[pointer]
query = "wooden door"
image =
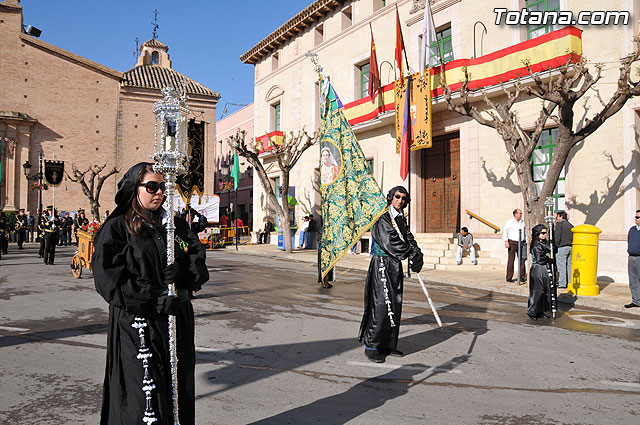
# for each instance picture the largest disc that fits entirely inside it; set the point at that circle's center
(441, 176)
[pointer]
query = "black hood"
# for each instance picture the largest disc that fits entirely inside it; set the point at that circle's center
(535, 232)
(127, 190)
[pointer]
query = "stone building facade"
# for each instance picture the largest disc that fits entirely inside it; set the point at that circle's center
(75, 110)
(468, 168)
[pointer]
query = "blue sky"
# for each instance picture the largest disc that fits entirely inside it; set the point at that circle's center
(205, 37)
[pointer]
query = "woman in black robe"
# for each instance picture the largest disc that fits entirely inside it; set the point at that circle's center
(539, 281)
(383, 289)
(130, 273)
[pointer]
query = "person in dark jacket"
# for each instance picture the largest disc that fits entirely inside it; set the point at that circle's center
(130, 273)
(633, 262)
(383, 289)
(268, 228)
(539, 274)
(563, 241)
(50, 228)
(310, 232)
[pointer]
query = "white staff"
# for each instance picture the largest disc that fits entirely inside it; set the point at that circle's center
(433, 307)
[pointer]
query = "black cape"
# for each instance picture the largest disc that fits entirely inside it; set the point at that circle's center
(129, 275)
(381, 324)
(539, 281)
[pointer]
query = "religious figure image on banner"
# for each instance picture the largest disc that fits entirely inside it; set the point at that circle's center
(53, 171)
(330, 163)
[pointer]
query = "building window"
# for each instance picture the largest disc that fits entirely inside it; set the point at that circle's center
(446, 48)
(347, 17)
(369, 165)
(536, 30)
(274, 61)
(155, 58)
(363, 81)
(318, 35)
(540, 161)
(275, 115)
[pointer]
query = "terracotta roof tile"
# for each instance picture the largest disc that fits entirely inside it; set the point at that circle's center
(157, 77)
(156, 43)
(313, 13)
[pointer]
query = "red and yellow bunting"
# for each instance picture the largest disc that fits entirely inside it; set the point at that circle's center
(542, 53)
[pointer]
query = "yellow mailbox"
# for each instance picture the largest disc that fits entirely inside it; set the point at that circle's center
(584, 261)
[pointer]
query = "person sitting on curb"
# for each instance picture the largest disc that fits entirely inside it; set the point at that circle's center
(465, 243)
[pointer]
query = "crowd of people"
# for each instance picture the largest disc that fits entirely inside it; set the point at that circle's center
(49, 229)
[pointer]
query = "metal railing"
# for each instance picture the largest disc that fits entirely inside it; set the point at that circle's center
(495, 228)
(218, 237)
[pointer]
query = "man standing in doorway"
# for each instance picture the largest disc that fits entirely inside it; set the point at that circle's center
(633, 249)
(515, 230)
(563, 240)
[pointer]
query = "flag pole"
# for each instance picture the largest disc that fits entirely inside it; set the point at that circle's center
(410, 130)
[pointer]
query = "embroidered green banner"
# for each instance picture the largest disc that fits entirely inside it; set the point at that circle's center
(351, 198)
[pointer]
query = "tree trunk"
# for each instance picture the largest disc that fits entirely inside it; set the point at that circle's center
(286, 225)
(95, 208)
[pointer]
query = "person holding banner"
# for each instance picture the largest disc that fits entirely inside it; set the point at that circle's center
(383, 288)
(130, 273)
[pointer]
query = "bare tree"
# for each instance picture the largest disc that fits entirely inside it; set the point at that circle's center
(558, 90)
(90, 187)
(287, 155)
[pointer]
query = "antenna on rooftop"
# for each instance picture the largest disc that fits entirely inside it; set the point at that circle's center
(136, 52)
(155, 24)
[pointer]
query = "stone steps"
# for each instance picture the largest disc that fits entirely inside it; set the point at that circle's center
(439, 251)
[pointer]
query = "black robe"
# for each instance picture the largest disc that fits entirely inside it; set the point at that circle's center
(381, 323)
(129, 275)
(539, 282)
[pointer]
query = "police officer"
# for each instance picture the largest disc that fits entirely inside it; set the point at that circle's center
(51, 226)
(21, 228)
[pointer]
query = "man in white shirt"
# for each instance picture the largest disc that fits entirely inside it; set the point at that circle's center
(515, 230)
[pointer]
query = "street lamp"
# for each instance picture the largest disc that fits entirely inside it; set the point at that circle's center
(35, 177)
(225, 170)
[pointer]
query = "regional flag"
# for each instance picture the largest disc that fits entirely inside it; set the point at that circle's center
(399, 46)
(351, 198)
(374, 72)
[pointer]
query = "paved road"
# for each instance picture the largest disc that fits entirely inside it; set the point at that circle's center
(275, 348)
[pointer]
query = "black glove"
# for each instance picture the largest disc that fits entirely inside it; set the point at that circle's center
(417, 261)
(173, 274)
(167, 305)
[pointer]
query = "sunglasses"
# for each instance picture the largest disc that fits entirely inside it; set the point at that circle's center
(637, 217)
(543, 233)
(152, 187)
(404, 198)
